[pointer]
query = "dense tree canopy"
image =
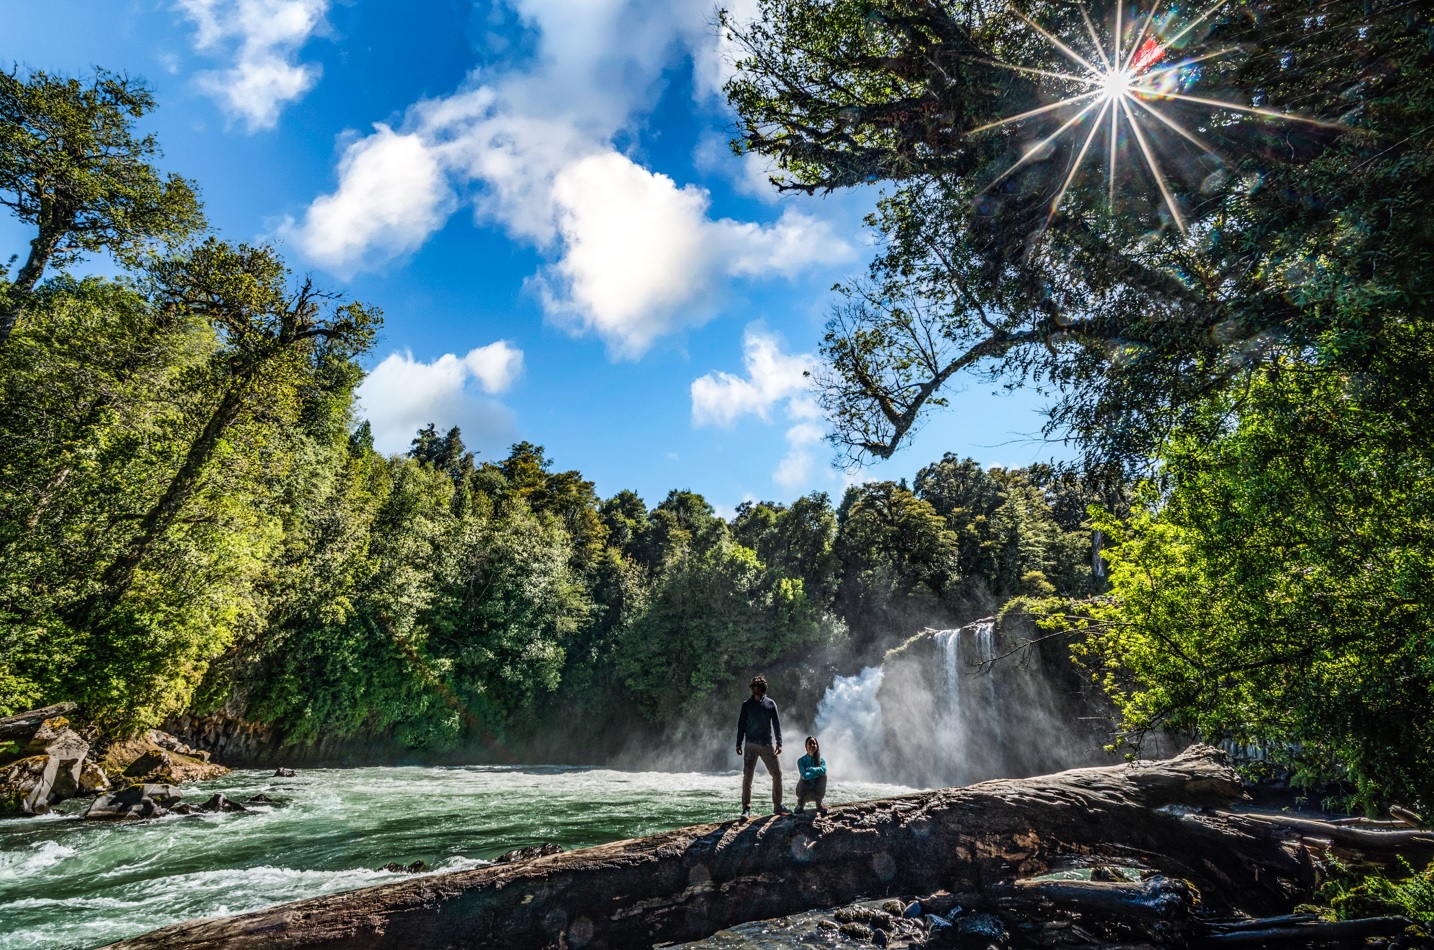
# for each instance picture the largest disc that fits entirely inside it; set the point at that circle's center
(1294, 239)
(1277, 592)
(72, 167)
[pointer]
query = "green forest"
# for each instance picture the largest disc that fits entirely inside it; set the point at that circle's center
(193, 516)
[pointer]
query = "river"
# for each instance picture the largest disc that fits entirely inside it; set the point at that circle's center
(66, 883)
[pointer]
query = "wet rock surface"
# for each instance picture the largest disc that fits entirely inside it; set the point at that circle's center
(220, 803)
(134, 801)
(529, 854)
(415, 868)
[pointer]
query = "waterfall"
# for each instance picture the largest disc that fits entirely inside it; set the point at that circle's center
(949, 643)
(942, 709)
(949, 731)
(849, 724)
(985, 632)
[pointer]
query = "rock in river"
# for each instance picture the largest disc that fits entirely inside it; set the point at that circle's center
(220, 803)
(136, 801)
(528, 854)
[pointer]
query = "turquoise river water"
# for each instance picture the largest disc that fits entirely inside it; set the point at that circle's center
(66, 883)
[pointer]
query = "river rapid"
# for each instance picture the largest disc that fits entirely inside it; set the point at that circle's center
(66, 883)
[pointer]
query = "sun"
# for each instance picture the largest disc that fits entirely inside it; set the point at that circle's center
(1116, 83)
(1122, 85)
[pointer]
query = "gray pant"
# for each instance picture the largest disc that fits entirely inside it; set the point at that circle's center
(814, 790)
(768, 755)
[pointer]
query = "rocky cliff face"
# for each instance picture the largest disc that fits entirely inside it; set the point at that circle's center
(245, 744)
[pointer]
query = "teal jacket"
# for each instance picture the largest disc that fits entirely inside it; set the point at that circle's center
(811, 771)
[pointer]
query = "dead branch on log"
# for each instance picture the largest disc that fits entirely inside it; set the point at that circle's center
(1371, 823)
(1305, 934)
(1407, 844)
(1158, 910)
(1408, 817)
(24, 724)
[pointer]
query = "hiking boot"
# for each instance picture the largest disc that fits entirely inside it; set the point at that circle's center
(747, 812)
(821, 809)
(781, 810)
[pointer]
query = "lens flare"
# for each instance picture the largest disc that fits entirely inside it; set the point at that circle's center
(1116, 83)
(1123, 86)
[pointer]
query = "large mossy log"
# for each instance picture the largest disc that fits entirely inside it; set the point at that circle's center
(684, 885)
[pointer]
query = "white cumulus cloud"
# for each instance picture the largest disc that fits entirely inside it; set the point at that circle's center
(392, 195)
(773, 378)
(641, 257)
(721, 399)
(635, 251)
(632, 254)
(796, 467)
(496, 366)
(262, 39)
(402, 395)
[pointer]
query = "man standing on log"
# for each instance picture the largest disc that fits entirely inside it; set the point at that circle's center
(756, 726)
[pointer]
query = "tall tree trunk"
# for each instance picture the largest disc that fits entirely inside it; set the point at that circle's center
(120, 575)
(42, 248)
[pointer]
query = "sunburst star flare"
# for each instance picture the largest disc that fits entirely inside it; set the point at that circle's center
(1128, 82)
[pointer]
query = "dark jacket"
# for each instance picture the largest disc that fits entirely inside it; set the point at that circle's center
(758, 722)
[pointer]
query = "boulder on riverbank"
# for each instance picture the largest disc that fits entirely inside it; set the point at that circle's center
(45, 759)
(25, 785)
(43, 762)
(156, 758)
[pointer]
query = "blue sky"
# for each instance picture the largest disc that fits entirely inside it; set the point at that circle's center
(539, 195)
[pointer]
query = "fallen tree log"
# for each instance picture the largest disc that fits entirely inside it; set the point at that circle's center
(1158, 911)
(26, 724)
(687, 884)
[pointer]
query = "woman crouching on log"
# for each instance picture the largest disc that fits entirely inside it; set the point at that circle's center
(812, 786)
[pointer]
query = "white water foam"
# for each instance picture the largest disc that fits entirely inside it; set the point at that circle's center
(849, 725)
(39, 856)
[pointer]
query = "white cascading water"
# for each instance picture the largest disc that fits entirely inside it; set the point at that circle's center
(949, 714)
(985, 633)
(949, 731)
(848, 723)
